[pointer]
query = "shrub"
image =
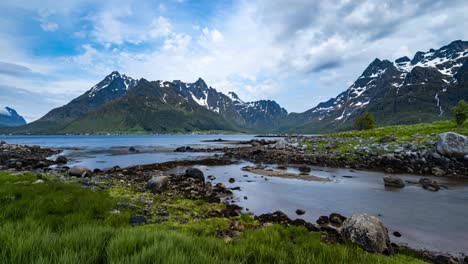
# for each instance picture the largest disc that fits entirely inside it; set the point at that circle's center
(461, 112)
(364, 122)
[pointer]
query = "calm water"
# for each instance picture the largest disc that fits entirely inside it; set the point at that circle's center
(431, 220)
(105, 152)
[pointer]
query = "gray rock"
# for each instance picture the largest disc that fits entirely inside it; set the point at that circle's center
(437, 171)
(393, 181)
(195, 174)
(280, 144)
(451, 144)
(79, 171)
(368, 232)
(38, 181)
(158, 184)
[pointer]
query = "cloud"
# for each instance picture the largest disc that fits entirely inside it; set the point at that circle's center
(45, 24)
(14, 69)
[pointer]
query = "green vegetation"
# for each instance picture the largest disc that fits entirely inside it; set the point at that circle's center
(461, 112)
(364, 122)
(405, 132)
(62, 222)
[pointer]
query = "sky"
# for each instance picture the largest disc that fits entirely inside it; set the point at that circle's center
(297, 52)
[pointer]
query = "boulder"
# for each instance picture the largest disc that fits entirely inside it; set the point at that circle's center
(451, 144)
(61, 160)
(158, 184)
(300, 212)
(195, 174)
(79, 171)
(368, 232)
(429, 184)
(392, 181)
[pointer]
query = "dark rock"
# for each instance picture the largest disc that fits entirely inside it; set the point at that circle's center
(397, 234)
(61, 160)
(393, 181)
(305, 169)
(232, 180)
(158, 184)
(386, 139)
(323, 220)
(79, 171)
(195, 174)
(162, 213)
(368, 232)
(132, 149)
(137, 220)
(336, 219)
(211, 177)
(300, 212)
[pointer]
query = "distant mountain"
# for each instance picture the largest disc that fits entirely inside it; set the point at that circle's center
(110, 88)
(10, 118)
(405, 91)
(122, 104)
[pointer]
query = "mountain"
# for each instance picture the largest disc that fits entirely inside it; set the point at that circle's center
(122, 104)
(405, 91)
(110, 88)
(10, 118)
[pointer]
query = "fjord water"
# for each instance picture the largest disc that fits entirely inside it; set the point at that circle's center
(432, 220)
(104, 152)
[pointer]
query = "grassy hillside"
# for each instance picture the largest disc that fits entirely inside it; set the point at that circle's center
(57, 222)
(406, 131)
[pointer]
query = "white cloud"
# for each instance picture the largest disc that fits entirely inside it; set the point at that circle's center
(46, 25)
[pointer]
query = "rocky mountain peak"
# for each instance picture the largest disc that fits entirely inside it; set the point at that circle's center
(9, 117)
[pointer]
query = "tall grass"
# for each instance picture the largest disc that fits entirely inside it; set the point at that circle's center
(58, 222)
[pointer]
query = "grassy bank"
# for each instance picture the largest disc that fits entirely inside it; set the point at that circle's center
(406, 132)
(60, 222)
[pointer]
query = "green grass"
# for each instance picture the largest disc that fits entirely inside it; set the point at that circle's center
(58, 222)
(406, 131)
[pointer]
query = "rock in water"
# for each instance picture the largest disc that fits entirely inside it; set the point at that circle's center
(61, 160)
(393, 181)
(158, 184)
(451, 144)
(195, 174)
(368, 232)
(79, 171)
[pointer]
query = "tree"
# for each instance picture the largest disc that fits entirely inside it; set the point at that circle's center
(363, 122)
(461, 112)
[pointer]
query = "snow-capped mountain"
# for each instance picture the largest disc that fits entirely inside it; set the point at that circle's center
(10, 118)
(421, 89)
(158, 99)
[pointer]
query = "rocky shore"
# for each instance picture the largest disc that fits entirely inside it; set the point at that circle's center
(446, 156)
